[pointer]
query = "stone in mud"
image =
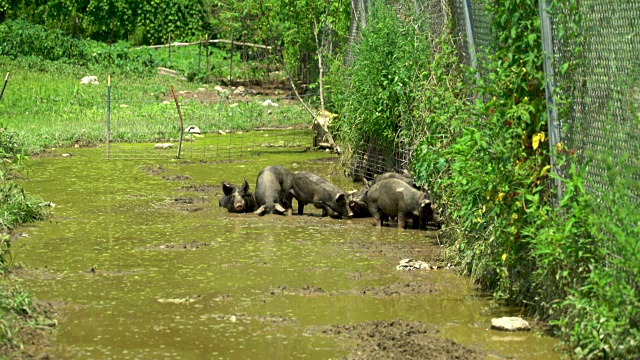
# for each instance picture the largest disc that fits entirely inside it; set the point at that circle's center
(237, 199)
(395, 198)
(510, 324)
(309, 188)
(163, 146)
(272, 186)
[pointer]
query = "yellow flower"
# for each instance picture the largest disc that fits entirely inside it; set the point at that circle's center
(559, 147)
(544, 170)
(478, 219)
(504, 257)
(500, 196)
(536, 139)
(515, 216)
(524, 70)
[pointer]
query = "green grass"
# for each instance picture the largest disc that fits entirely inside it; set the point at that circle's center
(21, 321)
(50, 108)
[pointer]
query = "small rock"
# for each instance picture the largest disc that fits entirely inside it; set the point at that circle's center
(510, 324)
(239, 91)
(218, 88)
(163, 146)
(222, 132)
(192, 129)
(412, 264)
(89, 80)
(166, 102)
(65, 155)
(76, 146)
(48, 203)
(233, 105)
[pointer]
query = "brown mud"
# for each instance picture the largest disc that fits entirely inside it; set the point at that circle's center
(400, 340)
(251, 287)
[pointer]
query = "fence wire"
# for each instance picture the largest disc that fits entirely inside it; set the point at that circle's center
(212, 129)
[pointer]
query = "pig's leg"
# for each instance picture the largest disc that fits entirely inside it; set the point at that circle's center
(401, 220)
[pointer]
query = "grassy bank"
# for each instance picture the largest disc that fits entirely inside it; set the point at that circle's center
(50, 108)
(21, 320)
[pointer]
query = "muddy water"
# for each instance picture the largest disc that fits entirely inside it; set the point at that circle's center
(146, 265)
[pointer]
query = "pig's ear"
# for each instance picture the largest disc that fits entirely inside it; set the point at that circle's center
(341, 198)
(245, 187)
(227, 188)
(424, 203)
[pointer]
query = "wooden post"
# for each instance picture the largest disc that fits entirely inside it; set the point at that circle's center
(199, 54)
(175, 98)
(6, 80)
(206, 48)
(231, 60)
(169, 46)
(244, 57)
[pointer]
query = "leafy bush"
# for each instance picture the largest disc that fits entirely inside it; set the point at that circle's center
(22, 39)
(379, 92)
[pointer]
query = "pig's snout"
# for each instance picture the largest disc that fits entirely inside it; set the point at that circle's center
(239, 205)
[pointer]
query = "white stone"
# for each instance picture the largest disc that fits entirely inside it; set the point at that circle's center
(218, 88)
(239, 91)
(222, 132)
(510, 324)
(192, 129)
(89, 80)
(163, 146)
(269, 102)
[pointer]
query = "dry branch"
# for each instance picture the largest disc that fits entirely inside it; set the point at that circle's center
(181, 44)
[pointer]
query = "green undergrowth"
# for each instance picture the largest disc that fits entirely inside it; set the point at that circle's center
(50, 108)
(39, 46)
(22, 322)
(20, 318)
(484, 153)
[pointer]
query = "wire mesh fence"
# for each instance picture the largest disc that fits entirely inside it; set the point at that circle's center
(212, 129)
(604, 91)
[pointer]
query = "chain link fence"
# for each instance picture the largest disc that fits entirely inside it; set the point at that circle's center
(603, 94)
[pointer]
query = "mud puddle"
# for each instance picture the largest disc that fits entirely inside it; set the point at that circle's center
(170, 281)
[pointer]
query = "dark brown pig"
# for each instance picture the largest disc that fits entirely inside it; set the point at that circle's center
(237, 199)
(309, 188)
(272, 189)
(396, 198)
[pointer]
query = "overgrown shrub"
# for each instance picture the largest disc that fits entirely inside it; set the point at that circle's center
(19, 39)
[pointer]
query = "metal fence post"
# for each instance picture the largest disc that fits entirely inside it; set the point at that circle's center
(108, 115)
(552, 111)
(466, 7)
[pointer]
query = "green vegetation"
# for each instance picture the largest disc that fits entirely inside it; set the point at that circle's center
(21, 320)
(19, 316)
(487, 162)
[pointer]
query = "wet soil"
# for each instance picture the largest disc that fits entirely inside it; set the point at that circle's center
(400, 340)
(252, 287)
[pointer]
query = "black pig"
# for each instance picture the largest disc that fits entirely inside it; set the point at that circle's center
(237, 199)
(396, 198)
(358, 201)
(272, 188)
(309, 188)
